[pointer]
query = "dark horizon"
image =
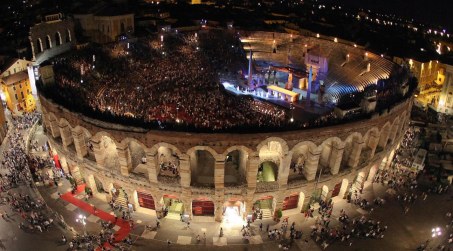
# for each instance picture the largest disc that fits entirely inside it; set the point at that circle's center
(430, 12)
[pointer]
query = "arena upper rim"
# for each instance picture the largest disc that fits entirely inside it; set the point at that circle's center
(286, 125)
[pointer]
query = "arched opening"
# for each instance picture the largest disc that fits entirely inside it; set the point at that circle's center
(99, 186)
(270, 156)
(233, 209)
(299, 158)
(235, 168)
(39, 48)
(172, 206)
(48, 42)
(291, 201)
(138, 157)
(383, 139)
(202, 165)
(57, 38)
(340, 189)
(76, 176)
(111, 160)
(320, 193)
(203, 207)
(267, 172)
(357, 185)
(370, 136)
(68, 36)
(167, 164)
(348, 145)
(145, 200)
(122, 28)
(265, 207)
(329, 160)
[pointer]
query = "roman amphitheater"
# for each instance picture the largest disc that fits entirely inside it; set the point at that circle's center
(224, 174)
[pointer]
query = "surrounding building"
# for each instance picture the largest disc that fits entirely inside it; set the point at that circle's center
(18, 92)
(52, 36)
(446, 96)
(106, 25)
(3, 124)
(431, 78)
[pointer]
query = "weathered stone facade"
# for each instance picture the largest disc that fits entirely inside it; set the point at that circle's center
(343, 154)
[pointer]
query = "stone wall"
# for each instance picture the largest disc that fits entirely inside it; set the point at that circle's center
(69, 134)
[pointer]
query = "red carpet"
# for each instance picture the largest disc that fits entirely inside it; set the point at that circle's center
(125, 228)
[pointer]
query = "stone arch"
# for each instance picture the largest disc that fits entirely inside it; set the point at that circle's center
(370, 141)
(270, 144)
(39, 47)
(105, 150)
(135, 152)
(154, 149)
(202, 161)
(82, 142)
(271, 151)
(167, 161)
(383, 139)
(65, 132)
(54, 126)
(331, 154)
(48, 42)
(394, 129)
(300, 154)
(236, 162)
(68, 36)
(400, 132)
(352, 149)
(58, 40)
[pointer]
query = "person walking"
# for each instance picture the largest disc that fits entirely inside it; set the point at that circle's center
(261, 227)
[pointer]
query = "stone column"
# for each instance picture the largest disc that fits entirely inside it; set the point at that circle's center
(186, 197)
(252, 170)
(373, 143)
(55, 130)
(389, 159)
(283, 171)
(336, 155)
(354, 156)
(124, 157)
(218, 204)
(151, 165)
(219, 174)
(184, 170)
(311, 164)
(79, 143)
(98, 151)
(66, 136)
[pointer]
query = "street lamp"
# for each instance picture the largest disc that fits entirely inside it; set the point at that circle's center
(82, 220)
(435, 232)
(177, 114)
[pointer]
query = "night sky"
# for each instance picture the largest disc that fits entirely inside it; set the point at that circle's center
(436, 12)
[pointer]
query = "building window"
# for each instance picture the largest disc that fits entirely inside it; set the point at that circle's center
(15, 95)
(22, 94)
